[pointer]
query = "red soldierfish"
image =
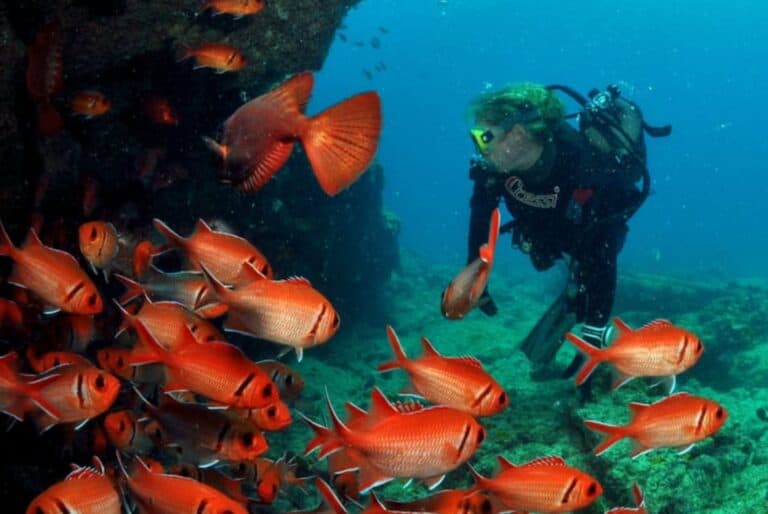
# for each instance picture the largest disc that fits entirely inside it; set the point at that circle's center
(219, 371)
(340, 142)
(639, 500)
(463, 294)
(678, 421)
(287, 380)
(126, 432)
(53, 275)
(658, 349)
(99, 244)
(238, 8)
(90, 104)
(546, 484)
(458, 382)
(289, 312)
(217, 56)
(424, 443)
(150, 491)
(86, 490)
(16, 389)
(223, 254)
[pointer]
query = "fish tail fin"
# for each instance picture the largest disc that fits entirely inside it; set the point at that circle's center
(173, 238)
(613, 434)
(143, 253)
(593, 353)
(488, 250)
(325, 438)
(6, 245)
(639, 497)
(341, 141)
(132, 289)
(329, 497)
(400, 357)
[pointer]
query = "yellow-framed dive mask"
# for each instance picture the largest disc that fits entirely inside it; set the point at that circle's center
(482, 138)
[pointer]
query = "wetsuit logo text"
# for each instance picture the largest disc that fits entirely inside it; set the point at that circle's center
(515, 187)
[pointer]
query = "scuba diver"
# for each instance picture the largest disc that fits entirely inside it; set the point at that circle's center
(570, 192)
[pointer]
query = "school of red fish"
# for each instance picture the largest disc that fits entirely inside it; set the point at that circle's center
(183, 417)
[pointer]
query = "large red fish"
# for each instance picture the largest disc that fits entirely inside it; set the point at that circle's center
(458, 382)
(221, 253)
(16, 389)
(86, 490)
(677, 421)
(160, 493)
(639, 500)
(340, 142)
(219, 371)
(658, 349)
(464, 292)
(53, 275)
(424, 443)
(289, 312)
(546, 484)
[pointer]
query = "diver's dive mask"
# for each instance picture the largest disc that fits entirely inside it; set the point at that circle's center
(483, 138)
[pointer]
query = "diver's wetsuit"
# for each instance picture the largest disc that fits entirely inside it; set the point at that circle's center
(562, 214)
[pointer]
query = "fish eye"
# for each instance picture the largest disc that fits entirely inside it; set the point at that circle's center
(120, 362)
(271, 411)
(480, 436)
(248, 439)
(502, 398)
(91, 300)
(56, 362)
(289, 380)
(265, 270)
(100, 383)
(94, 234)
(719, 413)
(193, 328)
(267, 391)
(592, 489)
(699, 347)
(336, 321)
(486, 507)
(121, 426)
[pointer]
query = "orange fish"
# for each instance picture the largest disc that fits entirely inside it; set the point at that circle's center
(223, 254)
(217, 56)
(272, 418)
(125, 432)
(16, 389)
(546, 484)
(89, 104)
(464, 292)
(86, 490)
(288, 381)
(639, 500)
(188, 288)
(219, 371)
(118, 361)
(448, 501)
(340, 142)
(150, 491)
(206, 436)
(53, 275)
(229, 486)
(270, 476)
(458, 382)
(45, 76)
(51, 360)
(167, 321)
(424, 443)
(99, 244)
(289, 312)
(142, 258)
(658, 349)
(78, 393)
(678, 421)
(158, 110)
(239, 8)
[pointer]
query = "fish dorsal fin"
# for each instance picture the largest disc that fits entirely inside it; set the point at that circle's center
(293, 94)
(407, 407)
(504, 464)
(622, 327)
(248, 274)
(551, 460)
(468, 361)
(429, 350)
(32, 239)
(354, 413)
(381, 408)
(329, 497)
(657, 323)
(81, 472)
(297, 281)
(201, 227)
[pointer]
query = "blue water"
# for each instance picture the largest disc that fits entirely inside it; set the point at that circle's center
(697, 65)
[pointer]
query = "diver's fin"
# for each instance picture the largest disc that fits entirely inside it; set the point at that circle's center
(544, 340)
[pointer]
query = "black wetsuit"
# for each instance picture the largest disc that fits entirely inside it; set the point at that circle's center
(576, 210)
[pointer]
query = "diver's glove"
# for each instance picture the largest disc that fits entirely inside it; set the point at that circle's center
(487, 305)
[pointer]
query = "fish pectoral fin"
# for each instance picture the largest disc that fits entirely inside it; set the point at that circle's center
(669, 383)
(619, 379)
(370, 477)
(686, 449)
(638, 450)
(433, 482)
(212, 310)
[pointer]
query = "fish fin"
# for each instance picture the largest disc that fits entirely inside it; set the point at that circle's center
(619, 379)
(639, 497)
(153, 350)
(299, 353)
(369, 478)
(248, 274)
(504, 463)
(429, 349)
(488, 250)
(637, 407)
(324, 438)
(433, 482)
(658, 323)
(622, 327)
(212, 310)
(480, 480)
(638, 450)
(410, 391)
(82, 424)
(468, 361)
(221, 150)
(172, 237)
(593, 353)
(220, 290)
(128, 319)
(292, 96)
(381, 408)
(32, 239)
(614, 434)
(329, 496)
(401, 358)
(33, 390)
(201, 227)
(686, 449)
(296, 281)
(6, 245)
(669, 382)
(550, 460)
(341, 141)
(133, 289)
(354, 413)
(267, 164)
